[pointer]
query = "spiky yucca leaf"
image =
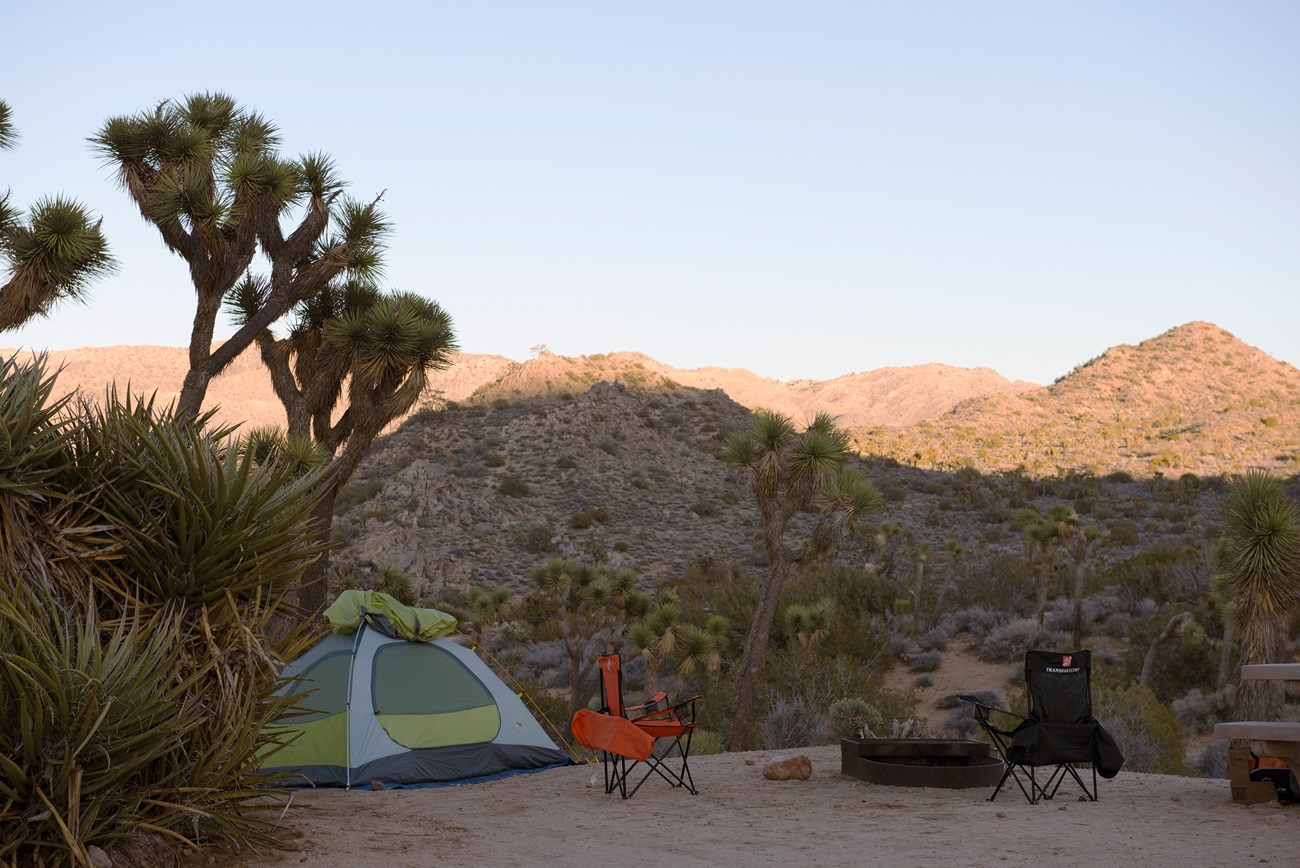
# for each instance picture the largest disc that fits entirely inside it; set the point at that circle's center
(8, 135)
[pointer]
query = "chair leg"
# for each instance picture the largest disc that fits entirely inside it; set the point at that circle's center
(675, 777)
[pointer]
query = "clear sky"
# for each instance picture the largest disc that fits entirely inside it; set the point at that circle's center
(804, 189)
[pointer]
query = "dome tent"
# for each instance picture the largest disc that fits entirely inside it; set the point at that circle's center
(396, 702)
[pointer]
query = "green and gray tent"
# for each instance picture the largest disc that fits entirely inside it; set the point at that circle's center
(391, 700)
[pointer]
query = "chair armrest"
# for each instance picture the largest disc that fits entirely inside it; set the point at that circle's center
(658, 697)
(973, 701)
(670, 710)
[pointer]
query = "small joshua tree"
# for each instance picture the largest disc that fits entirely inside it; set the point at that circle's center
(588, 606)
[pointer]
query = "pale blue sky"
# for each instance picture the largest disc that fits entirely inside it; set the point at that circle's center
(803, 189)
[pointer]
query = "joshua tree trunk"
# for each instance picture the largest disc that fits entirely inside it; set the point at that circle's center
(751, 662)
(1041, 615)
(1149, 662)
(1261, 642)
(1080, 574)
(1225, 656)
(311, 591)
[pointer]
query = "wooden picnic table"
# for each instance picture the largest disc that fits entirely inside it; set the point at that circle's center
(1279, 739)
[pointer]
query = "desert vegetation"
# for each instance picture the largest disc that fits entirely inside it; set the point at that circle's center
(143, 565)
(961, 568)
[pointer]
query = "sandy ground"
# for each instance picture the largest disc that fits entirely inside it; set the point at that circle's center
(556, 818)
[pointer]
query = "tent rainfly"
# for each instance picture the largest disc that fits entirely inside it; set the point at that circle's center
(395, 702)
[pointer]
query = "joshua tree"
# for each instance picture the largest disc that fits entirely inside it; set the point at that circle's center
(957, 554)
(920, 559)
(787, 472)
(810, 624)
(207, 174)
(663, 642)
(487, 609)
(349, 337)
(588, 607)
(1260, 576)
(1041, 538)
(1080, 542)
(52, 255)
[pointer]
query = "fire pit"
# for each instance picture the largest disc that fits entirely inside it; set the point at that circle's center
(951, 763)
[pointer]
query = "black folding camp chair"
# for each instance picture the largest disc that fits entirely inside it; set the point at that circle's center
(1058, 734)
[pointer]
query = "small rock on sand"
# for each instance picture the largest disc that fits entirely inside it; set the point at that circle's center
(788, 768)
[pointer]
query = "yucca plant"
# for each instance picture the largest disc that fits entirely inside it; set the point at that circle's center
(1259, 566)
(143, 562)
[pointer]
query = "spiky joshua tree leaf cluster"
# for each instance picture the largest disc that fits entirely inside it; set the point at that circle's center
(51, 254)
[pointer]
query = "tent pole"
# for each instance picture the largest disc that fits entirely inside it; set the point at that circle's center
(347, 712)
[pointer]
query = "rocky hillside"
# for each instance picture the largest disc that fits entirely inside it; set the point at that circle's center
(885, 396)
(1194, 399)
(888, 396)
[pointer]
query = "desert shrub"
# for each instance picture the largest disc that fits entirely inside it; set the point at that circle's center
(143, 710)
(512, 486)
(621, 546)
(1003, 582)
(1100, 606)
(926, 661)
(1117, 625)
(976, 620)
(1212, 762)
(1009, 642)
(1123, 532)
(500, 403)
(545, 656)
(356, 493)
(539, 539)
(963, 720)
(704, 508)
(792, 721)
(1144, 728)
(588, 517)
(935, 639)
(494, 460)
(396, 584)
(893, 493)
(923, 681)
(855, 718)
(706, 742)
(566, 462)
(1199, 711)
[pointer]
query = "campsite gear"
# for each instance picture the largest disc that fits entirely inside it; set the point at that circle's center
(622, 732)
(1059, 730)
(396, 702)
(1283, 780)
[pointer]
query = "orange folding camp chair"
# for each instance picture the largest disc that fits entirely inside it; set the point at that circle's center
(633, 732)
